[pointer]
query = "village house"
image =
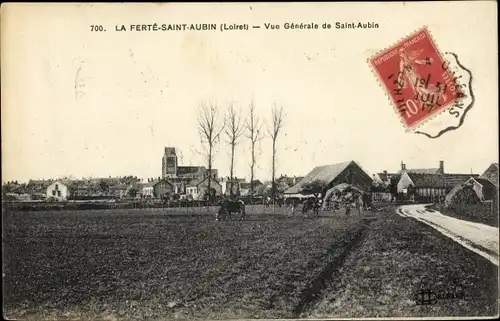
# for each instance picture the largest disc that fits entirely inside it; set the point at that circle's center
(332, 175)
(245, 187)
(197, 188)
(179, 184)
(226, 184)
(383, 179)
(59, 191)
(286, 181)
(156, 188)
(381, 186)
(428, 184)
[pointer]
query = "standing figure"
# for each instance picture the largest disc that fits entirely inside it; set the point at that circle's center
(348, 208)
(359, 203)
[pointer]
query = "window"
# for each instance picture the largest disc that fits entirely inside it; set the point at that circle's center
(57, 187)
(53, 193)
(59, 193)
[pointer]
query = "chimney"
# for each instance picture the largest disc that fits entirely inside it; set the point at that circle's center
(441, 166)
(403, 166)
(385, 172)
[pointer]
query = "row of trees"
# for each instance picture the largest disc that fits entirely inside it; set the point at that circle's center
(214, 123)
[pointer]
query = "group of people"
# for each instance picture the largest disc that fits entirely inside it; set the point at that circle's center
(358, 202)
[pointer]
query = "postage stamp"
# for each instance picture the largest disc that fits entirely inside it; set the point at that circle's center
(417, 78)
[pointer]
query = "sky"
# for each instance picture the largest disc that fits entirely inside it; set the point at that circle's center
(81, 103)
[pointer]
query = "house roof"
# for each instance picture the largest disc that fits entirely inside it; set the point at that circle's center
(156, 181)
(326, 173)
(491, 174)
(455, 179)
(384, 177)
(420, 171)
(489, 189)
(198, 181)
(66, 182)
(438, 180)
(247, 184)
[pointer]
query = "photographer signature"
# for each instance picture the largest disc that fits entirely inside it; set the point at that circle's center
(429, 297)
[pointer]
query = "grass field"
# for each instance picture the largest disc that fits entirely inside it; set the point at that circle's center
(148, 264)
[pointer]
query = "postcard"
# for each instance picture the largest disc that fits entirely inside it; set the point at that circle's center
(242, 161)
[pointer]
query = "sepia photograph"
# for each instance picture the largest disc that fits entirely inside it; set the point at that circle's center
(239, 161)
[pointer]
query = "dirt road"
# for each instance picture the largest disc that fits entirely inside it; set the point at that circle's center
(480, 238)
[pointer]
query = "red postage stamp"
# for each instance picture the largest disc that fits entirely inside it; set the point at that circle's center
(416, 78)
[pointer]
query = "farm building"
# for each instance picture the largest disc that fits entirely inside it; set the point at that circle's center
(491, 174)
(331, 175)
(476, 189)
(473, 191)
(58, 190)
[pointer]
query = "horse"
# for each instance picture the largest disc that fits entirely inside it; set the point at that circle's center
(311, 204)
(229, 207)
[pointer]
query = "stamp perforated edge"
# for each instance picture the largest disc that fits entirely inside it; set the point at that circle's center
(377, 76)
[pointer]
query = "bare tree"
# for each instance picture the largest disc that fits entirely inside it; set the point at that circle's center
(210, 126)
(234, 130)
(254, 128)
(277, 122)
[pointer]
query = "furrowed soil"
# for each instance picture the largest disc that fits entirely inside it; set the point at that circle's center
(149, 265)
(397, 259)
(143, 264)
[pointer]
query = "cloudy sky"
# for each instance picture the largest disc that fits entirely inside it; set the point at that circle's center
(83, 103)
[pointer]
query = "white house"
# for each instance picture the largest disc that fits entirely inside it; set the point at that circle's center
(199, 186)
(58, 190)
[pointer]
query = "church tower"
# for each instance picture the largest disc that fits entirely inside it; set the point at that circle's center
(169, 163)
